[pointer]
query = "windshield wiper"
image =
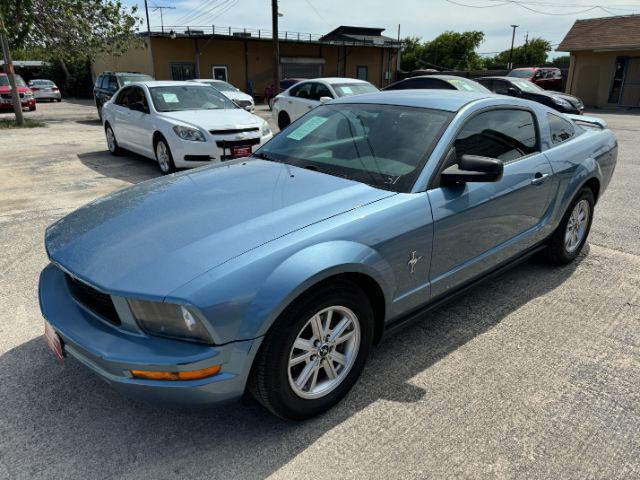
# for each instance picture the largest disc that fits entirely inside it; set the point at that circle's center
(264, 156)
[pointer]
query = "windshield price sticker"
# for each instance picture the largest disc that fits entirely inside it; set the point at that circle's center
(170, 98)
(306, 128)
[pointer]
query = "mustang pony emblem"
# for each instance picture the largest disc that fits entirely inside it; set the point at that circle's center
(413, 260)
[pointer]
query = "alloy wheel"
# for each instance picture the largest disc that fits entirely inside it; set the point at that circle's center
(111, 140)
(162, 154)
(577, 226)
(323, 352)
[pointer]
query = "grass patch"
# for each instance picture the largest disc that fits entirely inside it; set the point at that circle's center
(28, 123)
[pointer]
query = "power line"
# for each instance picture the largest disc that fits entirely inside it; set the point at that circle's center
(318, 13)
(526, 5)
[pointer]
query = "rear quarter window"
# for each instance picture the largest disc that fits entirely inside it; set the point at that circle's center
(560, 129)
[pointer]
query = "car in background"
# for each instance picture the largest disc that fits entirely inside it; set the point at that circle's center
(278, 273)
(180, 124)
(297, 100)
(442, 82)
(234, 94)
(517, 87)
(109, 83)
(45, 90)
(549, 78)
(27, 99)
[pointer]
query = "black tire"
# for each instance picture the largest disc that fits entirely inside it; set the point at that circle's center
(169, 166)
(269, 379)
(99, 107)
(58, 100)
(283, 120)
(557, 252)
(114, 148)
(32, 109)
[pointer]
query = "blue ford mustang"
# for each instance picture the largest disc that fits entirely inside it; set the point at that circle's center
(277, 273)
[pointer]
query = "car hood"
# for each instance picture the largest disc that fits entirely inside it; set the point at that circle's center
(152, 238)
(551, 93)
(215, 119)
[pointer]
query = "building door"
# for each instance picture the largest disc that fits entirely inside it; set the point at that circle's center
(630, 95)
(301, 67)
(220, 72)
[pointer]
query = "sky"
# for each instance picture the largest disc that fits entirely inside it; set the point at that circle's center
(422, 18)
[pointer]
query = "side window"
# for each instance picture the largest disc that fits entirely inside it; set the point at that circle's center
(112, 83)
(432, 83)
(123, 97)
(505, 134)
(136, 95)
(560, 128)
(501, 87)
(321, 90)
(303, 90)
(487, 83)
(405, 85)
(99, 81)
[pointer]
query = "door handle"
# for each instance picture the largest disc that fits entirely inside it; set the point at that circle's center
(539, 178)
(309, 106)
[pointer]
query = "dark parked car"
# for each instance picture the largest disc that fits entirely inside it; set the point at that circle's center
(516, 87)
(549, 78)
(109, 83)
(440, 82)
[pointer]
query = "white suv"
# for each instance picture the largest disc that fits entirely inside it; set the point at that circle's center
(303, 96)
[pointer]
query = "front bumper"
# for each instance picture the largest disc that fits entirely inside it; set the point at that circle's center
(112, 352)
(6, 103)
(188, 154)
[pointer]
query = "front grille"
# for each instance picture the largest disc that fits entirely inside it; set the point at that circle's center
(237, 143)
(233, 130)
(95, 301)
(8, 95)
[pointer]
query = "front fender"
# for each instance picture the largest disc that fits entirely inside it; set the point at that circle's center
(306, 268)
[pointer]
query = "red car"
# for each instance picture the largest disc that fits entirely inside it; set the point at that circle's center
(549, 78)
(26, 95)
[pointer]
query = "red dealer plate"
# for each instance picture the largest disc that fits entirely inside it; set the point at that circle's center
(54, 341)
(239, 152)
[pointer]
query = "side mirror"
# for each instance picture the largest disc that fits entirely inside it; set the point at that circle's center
(138, 107)
(325, 99)
(472, 168)
(514, 92)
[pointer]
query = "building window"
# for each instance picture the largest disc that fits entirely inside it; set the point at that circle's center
(362, 72)
(183, 71)
(220, 72)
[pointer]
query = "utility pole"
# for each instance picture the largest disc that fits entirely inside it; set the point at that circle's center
(526, 49)
(8, 62)
(398, 59)
(146, 12)
(513, 37)
(276, 47)
(161, 8)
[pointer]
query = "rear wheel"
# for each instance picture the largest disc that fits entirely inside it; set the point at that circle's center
(99, 107)
(32, 109)
(315, 352)
(164, 157)
(283, 120)
(112, 143)
(571, 235)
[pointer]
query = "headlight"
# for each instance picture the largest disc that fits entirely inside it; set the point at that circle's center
(28, 94)
(562, 102)
(168, 320)
(189, 133)
(265, 129)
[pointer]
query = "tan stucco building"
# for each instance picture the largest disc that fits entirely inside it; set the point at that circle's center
(605, 61)
(245, 59)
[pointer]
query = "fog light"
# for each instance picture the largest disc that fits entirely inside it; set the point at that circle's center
(190, 375)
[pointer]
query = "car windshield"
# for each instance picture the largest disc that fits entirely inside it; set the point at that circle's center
(44, 83)
(467, 85)
(346, 89)
(176, 98)
(524, 73)
(222, 86)
(127, 79)
(527, 86)
(374, 144)
(4, 81)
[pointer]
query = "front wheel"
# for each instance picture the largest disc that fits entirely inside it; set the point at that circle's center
(112, 143)
(164, 157)
(571, 235)
(315, 352)
(283, 120)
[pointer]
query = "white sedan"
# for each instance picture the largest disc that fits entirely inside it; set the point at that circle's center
(303, 96)
(243, 100)
(180, 124)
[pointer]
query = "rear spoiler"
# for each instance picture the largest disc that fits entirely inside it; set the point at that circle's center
(590, 121)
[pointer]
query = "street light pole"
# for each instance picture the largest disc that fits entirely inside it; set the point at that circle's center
(276, 47)
(513, 37)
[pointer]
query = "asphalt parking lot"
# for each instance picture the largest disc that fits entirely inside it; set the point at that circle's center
(535, 374)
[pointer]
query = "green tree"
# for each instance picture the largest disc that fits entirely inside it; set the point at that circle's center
(448, 51)
(532, 54)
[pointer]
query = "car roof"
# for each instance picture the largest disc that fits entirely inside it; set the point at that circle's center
(207, 80)
(449, 100)
(439, 77)
(334, 80)
(167, 83)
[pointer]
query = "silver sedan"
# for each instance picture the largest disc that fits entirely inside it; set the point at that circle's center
(45, 90)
